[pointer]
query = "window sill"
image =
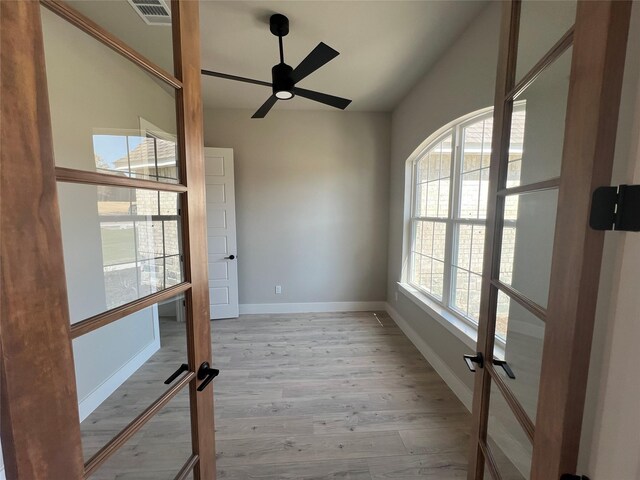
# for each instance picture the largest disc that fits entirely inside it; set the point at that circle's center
(463, 331)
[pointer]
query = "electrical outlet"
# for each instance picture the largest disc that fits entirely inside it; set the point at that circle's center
(278, 289)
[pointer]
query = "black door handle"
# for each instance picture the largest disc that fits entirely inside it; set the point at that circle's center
(471, 359)
(206, 373)
(230, 257)
(505, 366)
(182, 368)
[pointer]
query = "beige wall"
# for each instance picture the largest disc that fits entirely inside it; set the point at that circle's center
(311, 203)
(462, 81)
(611, 444)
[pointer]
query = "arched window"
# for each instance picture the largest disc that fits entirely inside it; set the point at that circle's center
(450, 180)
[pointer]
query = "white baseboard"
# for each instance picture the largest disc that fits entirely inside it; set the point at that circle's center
(92, 401)
(261, 308)
(464, 393)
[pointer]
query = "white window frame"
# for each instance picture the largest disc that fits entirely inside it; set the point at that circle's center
(444, 308)
(461, 325)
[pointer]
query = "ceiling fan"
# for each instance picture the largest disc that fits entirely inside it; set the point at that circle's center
(284, 77)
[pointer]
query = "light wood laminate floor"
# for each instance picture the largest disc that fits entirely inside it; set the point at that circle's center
(313, 396)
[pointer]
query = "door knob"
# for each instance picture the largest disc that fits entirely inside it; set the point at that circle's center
(505, 366)
(206, 373)
(182, 368)
(230, 257)
(471, 359)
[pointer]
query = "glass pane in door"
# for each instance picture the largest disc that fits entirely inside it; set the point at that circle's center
(107, 114)
(537, 126)
(143, 25)
(507, 441)
(519, 339)
(120, 244)
(527, 243)
(121, 369)
(156, 452)
(542, 24)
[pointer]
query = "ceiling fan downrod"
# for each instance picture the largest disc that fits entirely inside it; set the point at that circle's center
(279, 26)
(281, 74)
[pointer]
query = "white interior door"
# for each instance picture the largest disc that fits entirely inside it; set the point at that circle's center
(221, 233)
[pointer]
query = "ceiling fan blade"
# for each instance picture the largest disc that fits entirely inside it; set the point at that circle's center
(235, 77)
(266, 106)
(320, 55)
(337, 102)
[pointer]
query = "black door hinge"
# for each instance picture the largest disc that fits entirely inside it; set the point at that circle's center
(616, 208)
(569, 476)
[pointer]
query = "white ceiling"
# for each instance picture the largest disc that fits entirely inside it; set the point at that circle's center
(385, 46)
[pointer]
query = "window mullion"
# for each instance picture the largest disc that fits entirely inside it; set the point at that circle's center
(446, 288)
(453, 205)
(414, 190)
(413, 222)
(412, 245)
(457, 176)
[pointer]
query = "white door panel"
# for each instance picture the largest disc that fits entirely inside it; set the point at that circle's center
(217, 244)
(216, 219)
(219, 296)
(215, 191)
(221, 233)
(218, 271)
(216, 162)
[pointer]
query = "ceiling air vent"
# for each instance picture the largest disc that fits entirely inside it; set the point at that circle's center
(153, 12)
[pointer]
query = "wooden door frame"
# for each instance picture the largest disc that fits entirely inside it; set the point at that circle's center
(40, 427)
(505, 80)
(186, 54)
(599, 46)
(600, 42)
(40, 422)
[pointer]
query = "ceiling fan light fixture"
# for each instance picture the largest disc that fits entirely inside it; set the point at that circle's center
(283, 83)
(284, 95)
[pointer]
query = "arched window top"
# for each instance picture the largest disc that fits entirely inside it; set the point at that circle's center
(436, 136)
